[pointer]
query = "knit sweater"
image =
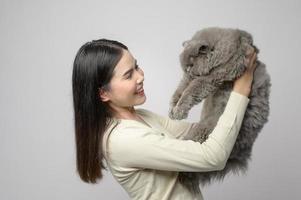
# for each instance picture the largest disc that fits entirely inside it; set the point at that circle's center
(145, 158)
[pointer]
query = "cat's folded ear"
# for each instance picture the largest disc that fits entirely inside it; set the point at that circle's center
(185, 43)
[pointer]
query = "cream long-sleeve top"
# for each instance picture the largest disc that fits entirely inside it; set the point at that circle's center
(145, 158)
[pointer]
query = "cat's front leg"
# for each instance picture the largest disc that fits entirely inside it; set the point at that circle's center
(179, 91)
(197, 90)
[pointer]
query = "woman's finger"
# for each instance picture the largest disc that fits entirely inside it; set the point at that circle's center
(254, 65)
(253, 59)
(250, 53)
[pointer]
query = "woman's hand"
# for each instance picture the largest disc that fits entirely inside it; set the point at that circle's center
(243, 84)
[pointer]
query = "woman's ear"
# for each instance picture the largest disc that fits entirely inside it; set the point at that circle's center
(103, 95)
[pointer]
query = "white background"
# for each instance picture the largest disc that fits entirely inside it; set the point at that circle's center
(39, 40)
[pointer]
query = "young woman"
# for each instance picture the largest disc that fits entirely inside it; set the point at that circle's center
(144, 151)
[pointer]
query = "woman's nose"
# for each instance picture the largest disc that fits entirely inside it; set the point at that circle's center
(140, 76)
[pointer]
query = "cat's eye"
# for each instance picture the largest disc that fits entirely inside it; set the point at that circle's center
(203, 49)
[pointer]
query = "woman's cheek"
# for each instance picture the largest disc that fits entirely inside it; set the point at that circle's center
(129, 88)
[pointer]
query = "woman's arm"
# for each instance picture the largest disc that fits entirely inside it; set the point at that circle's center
(140, 147)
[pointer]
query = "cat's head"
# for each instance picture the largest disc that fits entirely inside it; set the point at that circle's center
(213, 47)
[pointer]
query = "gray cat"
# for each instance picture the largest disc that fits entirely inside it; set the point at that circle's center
(211, 61)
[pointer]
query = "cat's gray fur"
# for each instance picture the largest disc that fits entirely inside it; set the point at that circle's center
(211, 61)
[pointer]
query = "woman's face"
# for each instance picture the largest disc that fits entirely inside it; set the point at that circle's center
(126, 85)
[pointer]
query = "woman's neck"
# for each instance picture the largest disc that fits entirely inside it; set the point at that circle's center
(124, 112)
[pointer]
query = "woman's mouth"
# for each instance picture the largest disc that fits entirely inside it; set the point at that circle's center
(140, 92)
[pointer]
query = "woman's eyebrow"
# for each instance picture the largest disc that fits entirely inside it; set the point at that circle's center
(131, 69)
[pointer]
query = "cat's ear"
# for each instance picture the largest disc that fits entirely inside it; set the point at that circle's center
(222, 53)
(185, 43)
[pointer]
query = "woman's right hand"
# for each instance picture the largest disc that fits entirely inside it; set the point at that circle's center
(243, 84)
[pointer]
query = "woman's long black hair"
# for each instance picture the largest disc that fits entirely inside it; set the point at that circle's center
(92, 69)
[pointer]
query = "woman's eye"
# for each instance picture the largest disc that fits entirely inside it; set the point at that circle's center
(130, 76)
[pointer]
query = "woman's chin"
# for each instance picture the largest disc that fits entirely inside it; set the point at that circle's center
(141, 100)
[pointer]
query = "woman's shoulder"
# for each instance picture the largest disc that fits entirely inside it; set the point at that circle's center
(123, 130)
(126, 131)
(147, 113)
(124, 126)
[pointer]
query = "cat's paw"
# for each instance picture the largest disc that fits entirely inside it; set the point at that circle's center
(177, 113)
(174, 99)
